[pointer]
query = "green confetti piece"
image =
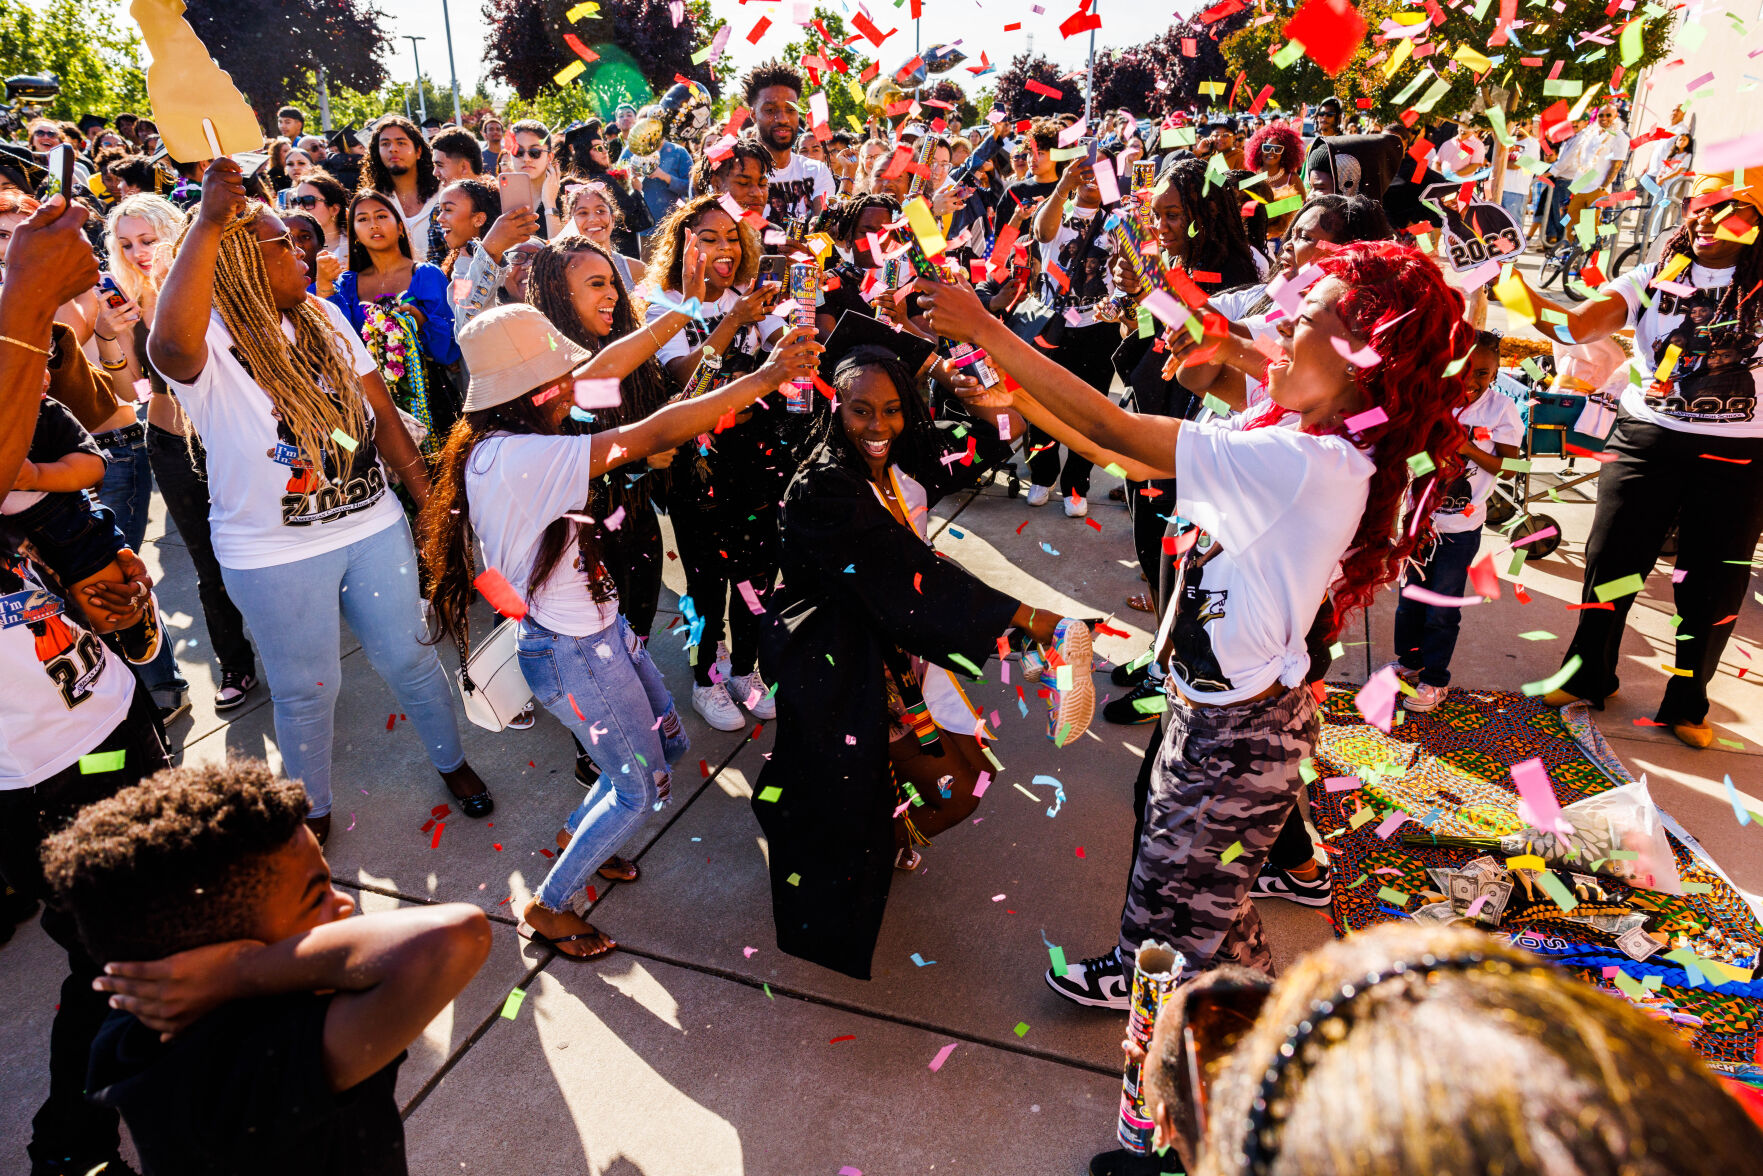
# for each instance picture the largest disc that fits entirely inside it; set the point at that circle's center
(770, 793)
(767, 988)
(1629, 986)
(794, 879)
(1337, 650)
(1455, 366)
(1115, 469)
(1155, 705)
(1021, 1029)
(343, 439)
(1219, 407)
(1289, 54)
(1057, 955)
(1359, 881)
(1147, 323)
(1307, 770)
(965, 664)
(1626, 586)
(1698, 888)
(1393, 897)
(1421, 464)
(1515, 465)
(1232, 854)
(1531, 369)
(1517, 564)
(1557, 890)
(101, 761)
(1280, 207)
(1537, 635)
(1430, 99)
(1562, 87)
(1364, 815)
(511, 1006)
(1553, 681)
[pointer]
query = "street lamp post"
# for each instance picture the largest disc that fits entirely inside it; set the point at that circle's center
(452, 72)
(421, 100)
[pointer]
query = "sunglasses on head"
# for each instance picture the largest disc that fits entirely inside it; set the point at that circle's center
(530, 152)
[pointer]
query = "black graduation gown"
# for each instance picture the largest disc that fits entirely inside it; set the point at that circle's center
(830, 829)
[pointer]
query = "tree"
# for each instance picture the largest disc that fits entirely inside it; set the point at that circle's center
(96, 59)
(1556, 40)
(949, 90)
(640, 49)
(353, 108)
(1012, 95)
(845, 110)
(272, 47)
(1157, 77)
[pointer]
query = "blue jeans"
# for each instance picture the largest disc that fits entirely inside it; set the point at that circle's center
(294, 611)
(127, 490)
(1558, 207)
(604, 688)
(1426, 635)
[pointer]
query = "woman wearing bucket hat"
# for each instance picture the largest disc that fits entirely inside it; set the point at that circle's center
(1688, 446)
(509, 478)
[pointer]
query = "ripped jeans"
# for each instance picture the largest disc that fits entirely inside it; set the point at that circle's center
(604, 688)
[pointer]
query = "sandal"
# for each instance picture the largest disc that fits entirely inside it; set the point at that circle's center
(619, 869)
(533, 935)
(1141, 601)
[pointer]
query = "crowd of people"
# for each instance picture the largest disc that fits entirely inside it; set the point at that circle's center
(389, 375)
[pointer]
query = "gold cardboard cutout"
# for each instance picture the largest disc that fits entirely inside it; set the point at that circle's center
(186, 87)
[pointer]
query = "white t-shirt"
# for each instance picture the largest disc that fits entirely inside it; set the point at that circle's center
(517, 486)
(1460, 507)
(1516, 178)
(266, 505)
(1087, 281)
(797, 189)
(1713, 386)
(1275, 509)
(65, 691)
(418, 228)
(749, 341)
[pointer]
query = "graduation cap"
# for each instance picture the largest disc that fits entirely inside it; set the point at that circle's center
(858, 337)
(341, 138)
(21, 167)
(579, 136)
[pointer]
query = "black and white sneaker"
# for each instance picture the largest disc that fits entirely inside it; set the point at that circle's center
(1276, 883)
(1098, 983)
(1144, 703)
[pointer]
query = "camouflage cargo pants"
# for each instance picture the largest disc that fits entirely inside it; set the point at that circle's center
(1224, 776)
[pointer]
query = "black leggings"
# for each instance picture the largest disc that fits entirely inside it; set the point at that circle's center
(1088, 354)
(718, 559)
(632, 555)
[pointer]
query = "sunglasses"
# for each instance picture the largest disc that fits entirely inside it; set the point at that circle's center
(1214, 1020)
(530, 152)
(304, 201)
(1272, 149)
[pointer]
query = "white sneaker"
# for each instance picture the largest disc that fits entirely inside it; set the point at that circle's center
(751, 692)
(715, 707)
(1425, 698)
(1039, 495)
(1077, 506)
(1403, 672)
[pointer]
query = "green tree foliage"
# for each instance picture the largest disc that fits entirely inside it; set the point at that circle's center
(272, 47)
(90, 48)
(640, 48)
(1157, 77)
(1549, 38)
(844, 93)
(353, 108)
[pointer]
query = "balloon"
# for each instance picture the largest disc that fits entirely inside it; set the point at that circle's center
(882, 93)
(646, 133)
(915, 78)
(943, 58)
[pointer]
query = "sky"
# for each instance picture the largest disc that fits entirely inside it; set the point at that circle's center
(979, 24)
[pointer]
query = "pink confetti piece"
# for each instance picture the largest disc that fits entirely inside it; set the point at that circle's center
(1072, 133)
(1677, 575)
(1697, 85)
(751, 597)
(1475, 907)
(985, 778)
(848, 1170)
(1162, 304)
(616, 518)
(1391, 823)
(1536, 799)
(1437, 599)
(1365, 357)
(1376, 700)
(1536, 536)
(1745, 152)
(1340, 784)
(1107, 186)
(747, 952)
(1370, 418)
(936, 1063)
(597, 394)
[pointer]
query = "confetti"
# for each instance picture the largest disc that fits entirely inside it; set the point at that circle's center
(936, 1064)
(511, 1006)
(101, 761)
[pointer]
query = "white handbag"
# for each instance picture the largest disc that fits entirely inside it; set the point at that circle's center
(490, 680)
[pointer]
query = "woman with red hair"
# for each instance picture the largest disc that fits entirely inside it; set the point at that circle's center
(1288, 504)
(1277, 152)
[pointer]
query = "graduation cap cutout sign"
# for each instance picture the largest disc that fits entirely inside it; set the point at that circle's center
(200, 113)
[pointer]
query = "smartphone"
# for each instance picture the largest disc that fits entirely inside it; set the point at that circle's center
(517, 190)
(61, 167)
(772, 268)
(112, 294)
(281, 198)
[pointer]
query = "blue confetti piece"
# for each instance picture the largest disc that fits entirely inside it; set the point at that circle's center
(850, 569)
(578, 413)
(956, 533)
(1058, 795)
(921, 961)
(1048, 548)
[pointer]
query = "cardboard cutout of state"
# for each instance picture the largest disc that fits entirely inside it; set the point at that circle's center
(186, 87)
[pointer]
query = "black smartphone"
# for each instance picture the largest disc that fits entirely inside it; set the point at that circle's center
(773, 269)
(61, 161)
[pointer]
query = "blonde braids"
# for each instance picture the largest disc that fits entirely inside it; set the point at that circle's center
(295, 376)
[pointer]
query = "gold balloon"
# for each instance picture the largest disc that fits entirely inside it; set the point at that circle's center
(645, 136)
(882, 93)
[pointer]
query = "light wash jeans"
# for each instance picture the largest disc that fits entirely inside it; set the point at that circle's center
(604, 688)
(294, 609)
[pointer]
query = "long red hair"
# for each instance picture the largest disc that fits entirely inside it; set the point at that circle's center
(1398, 301)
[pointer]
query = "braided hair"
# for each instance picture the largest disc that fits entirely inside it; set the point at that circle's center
(841, 216)
(1218, 243)
(310, 382)
(1740, 309)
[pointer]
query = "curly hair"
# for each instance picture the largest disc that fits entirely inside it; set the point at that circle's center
(573, 193)
(375, 177)
(711, 175)
(1740, 311)
(1292, 158)
(1218, 242)
(669, 246)
(767, 74)
(841, 216)
(484, 199)
(1398, 302)
(176, 861)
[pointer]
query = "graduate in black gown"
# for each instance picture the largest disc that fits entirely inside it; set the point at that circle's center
(864, 638)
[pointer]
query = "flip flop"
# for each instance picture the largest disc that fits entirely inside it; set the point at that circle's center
(534, 935)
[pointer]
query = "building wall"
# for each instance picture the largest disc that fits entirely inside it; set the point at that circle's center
(1732, 103)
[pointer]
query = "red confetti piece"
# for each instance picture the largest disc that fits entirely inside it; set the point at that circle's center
(1731, 460)
(1043, 90)
(390, 720)
(867, 27)
(1021, 525)
(500, 593)
(579, 49)
(846, 1037)
(1593, 604)
(1080, 851)
(1110, 630)
(704, 768)
(1331, 30)
(497, 845)
(435, 842)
